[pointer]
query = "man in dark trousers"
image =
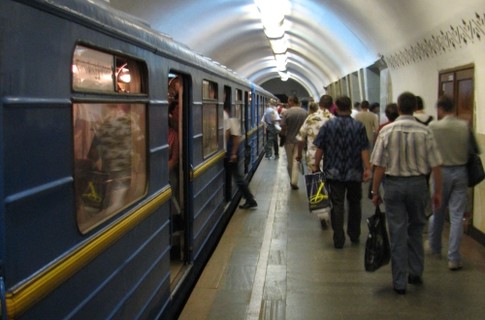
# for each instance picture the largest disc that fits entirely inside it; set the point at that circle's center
(342, 141)
(232, 133)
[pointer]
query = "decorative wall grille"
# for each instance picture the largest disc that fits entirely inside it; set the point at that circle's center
(456, 36)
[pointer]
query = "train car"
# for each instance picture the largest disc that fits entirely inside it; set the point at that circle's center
(113, 186)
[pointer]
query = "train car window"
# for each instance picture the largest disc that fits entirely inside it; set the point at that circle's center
(96, 71)
(127, 75)
(110, 166)
(209, 118)
(109, 137)
(238, 105)
(261, 108)
(247, 108)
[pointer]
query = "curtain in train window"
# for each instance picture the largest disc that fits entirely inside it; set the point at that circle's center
(209, 118)
(110, 161)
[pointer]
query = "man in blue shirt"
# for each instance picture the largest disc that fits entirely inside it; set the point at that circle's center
(343, 143)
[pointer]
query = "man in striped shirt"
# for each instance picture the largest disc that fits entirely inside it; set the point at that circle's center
(405, 152)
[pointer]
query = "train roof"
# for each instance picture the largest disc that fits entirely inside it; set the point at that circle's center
(99, 15)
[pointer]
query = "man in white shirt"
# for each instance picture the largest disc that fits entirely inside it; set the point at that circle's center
(232, 133)
(369, 120)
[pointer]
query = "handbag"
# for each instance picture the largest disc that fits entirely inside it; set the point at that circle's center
(475, 171)
(377, 248)
(474, 166)
(317, 192)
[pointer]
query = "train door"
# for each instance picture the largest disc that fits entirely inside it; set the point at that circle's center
(178, 88)
(246, 111)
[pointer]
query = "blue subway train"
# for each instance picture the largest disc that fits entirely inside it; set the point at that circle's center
(113, 186)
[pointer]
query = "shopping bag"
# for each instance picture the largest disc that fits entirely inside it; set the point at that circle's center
(96, 190)
(377, 248)
(317, 192)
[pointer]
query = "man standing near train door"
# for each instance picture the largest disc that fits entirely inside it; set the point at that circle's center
(232, 133)
(405, 152)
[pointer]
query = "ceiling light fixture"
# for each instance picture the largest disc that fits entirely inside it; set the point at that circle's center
(273, 19)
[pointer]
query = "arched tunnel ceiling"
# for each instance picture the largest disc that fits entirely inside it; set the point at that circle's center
(328, 39)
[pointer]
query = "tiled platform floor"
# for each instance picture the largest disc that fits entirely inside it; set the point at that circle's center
(275, 262)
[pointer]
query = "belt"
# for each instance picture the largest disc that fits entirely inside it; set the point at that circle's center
(405, 177)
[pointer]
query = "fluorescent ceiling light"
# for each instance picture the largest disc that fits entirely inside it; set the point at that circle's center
(279, 45)
(273, 19)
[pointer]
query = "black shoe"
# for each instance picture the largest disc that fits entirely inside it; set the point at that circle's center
(249, 204)
(400, 291)
(294, 186)
(355, 241)
(412, 279)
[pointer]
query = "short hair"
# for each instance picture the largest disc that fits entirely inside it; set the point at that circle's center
(419, 103)
(406, 103)
(374, 107)
(446, 103)
(391, 111)
(343, 103)
(313, 107)
(294, 99)
(364, 104)
(326, 101)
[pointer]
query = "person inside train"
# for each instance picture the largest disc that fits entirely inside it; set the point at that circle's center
(291, 122)
(173, 144)
(406, 192)
(232, 135)
(175, 97)
(111, 152)
(342, 141)
(453, 138)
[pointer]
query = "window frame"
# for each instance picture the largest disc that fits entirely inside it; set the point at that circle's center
(95, 203)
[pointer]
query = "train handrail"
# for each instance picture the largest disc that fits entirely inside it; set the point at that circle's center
(22, 297)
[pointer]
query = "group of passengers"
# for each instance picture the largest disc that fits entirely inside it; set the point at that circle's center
(399, 156)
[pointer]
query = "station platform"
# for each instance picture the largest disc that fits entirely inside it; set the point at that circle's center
(276, 262)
